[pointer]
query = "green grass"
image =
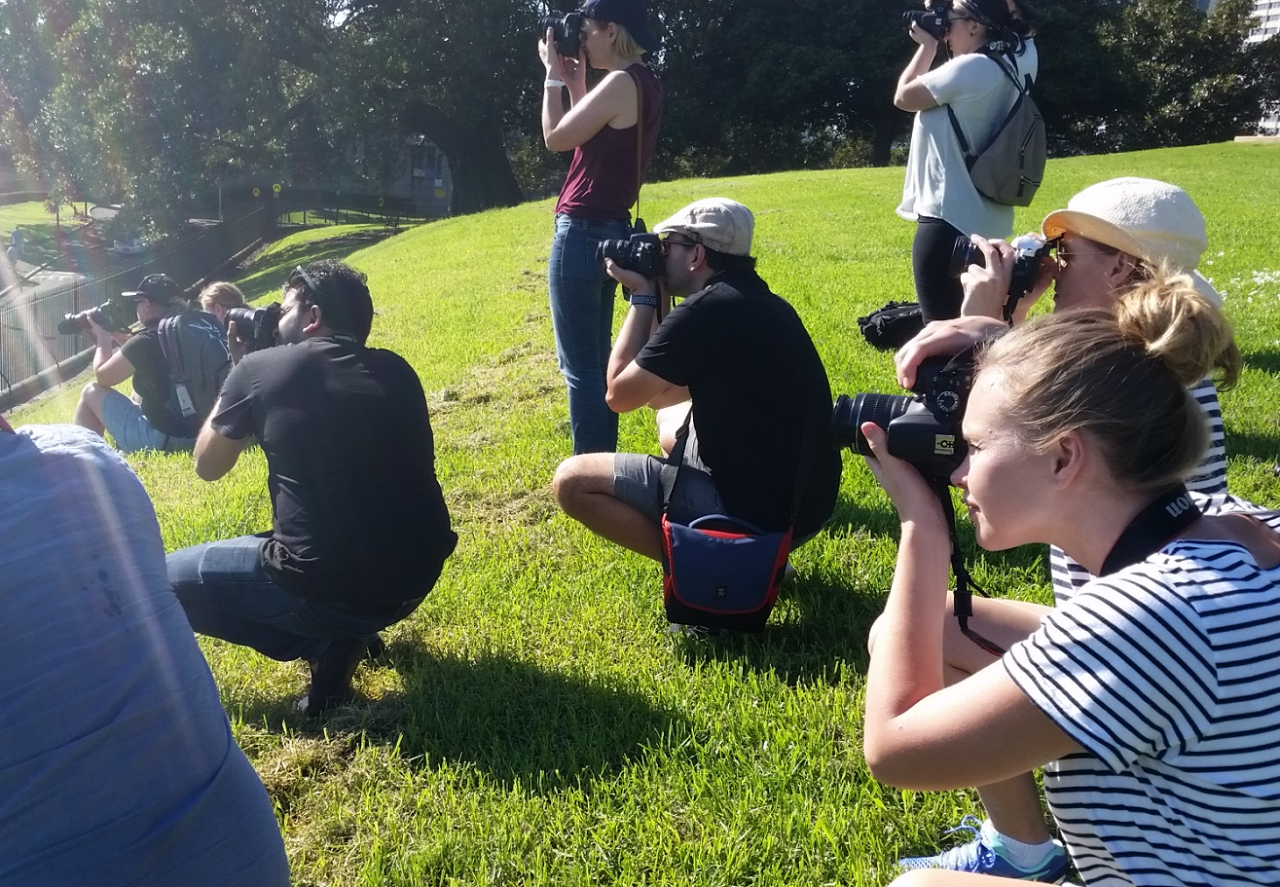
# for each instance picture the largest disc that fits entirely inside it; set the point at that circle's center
(37, 222)
(536, 725)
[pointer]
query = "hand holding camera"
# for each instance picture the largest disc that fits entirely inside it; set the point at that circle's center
(997, 275)
(929, 22)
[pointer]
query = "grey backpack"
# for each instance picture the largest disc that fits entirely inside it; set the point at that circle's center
(195, 350)
(1011, 166)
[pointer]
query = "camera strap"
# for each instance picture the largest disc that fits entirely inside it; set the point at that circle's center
(962, 596)
(1159, 522)
(1168, 515)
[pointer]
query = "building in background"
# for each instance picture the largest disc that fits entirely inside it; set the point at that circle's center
(1268, 27)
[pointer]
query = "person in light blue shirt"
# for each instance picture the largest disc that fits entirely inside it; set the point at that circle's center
(117, 763)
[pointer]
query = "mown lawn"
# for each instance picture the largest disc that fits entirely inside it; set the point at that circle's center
(536, 724)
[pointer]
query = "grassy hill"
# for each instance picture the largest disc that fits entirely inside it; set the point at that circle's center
(536, 724)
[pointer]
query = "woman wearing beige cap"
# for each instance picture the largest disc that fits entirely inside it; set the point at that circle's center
(1113, 237)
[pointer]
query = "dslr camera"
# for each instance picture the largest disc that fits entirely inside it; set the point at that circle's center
(1029, 250)
(923, 429)
(932, 20)
(641, 253)
(567, 31)
(116, 315)
(257, 326)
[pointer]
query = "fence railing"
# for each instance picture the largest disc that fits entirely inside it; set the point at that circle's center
(32, 352)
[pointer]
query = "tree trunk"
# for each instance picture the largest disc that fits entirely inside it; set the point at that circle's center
(477, 154)
(887, 124)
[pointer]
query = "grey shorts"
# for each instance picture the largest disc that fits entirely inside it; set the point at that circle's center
(637, 481)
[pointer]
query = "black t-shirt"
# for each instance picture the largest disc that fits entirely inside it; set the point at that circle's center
(757, 383)
(357, 513)
(151, 381)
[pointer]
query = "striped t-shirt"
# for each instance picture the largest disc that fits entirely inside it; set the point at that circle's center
(1210, 478)
(1168, 674)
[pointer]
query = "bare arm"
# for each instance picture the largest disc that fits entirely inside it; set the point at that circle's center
(216, 454)
(911, 94)
(110, 367)
(919, 734)
(613, 99)
(628, 386)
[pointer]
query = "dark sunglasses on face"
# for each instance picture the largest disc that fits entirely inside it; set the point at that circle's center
(669, 242)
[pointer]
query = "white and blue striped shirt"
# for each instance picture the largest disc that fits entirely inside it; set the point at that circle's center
(1168, 674)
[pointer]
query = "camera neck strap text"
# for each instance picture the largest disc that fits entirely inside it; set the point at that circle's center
(1164, 518)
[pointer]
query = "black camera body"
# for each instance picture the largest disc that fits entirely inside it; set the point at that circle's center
(257, 327)
(567, 31)
(1030, 250)
(641, 253)
(932, 20)
(923, 429)
(116, 315)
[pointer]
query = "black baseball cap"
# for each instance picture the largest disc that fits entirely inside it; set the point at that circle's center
(156, 288)
(628, 13)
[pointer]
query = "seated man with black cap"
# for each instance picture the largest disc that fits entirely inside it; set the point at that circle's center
(151, 420)
(761, 402)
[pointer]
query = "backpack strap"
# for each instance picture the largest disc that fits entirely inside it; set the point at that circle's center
(639, 142)
(168, 335)
(969, 155)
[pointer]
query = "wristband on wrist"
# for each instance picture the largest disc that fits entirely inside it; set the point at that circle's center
(642, 300)
(549, 83)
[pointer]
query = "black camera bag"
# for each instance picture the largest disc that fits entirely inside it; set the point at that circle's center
(894, 325)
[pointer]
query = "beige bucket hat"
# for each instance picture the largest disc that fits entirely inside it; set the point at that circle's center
(1152, 220)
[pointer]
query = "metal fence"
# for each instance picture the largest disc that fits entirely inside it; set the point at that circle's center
(33, 355)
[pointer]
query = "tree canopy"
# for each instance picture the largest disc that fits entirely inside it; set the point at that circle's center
(157, 102)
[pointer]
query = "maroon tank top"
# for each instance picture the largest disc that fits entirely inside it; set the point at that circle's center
(602, 184)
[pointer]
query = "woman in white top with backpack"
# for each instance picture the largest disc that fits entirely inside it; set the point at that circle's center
(977, 92)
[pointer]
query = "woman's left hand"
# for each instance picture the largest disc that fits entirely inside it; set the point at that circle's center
(923, 37)
(906, 486)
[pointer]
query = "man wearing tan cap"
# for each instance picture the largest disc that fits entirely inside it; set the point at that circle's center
(761, 402)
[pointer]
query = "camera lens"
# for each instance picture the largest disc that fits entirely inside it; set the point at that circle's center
(964, 254)
(849, 413)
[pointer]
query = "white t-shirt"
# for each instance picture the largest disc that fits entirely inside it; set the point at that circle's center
(937, 183)
(1167, 673)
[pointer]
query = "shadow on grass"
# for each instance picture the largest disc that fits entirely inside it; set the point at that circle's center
(264, 275)
(821, 624)
(510, 720)
(1265, 359)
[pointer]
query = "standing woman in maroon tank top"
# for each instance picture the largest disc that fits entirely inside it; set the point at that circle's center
(595, 202)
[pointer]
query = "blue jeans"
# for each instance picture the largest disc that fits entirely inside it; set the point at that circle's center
(227, 594)
(582, 297)
(131, 430)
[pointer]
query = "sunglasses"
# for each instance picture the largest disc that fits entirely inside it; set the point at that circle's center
(308, 283)
(668, 243)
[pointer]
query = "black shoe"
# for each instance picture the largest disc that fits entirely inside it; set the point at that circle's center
(331, 673)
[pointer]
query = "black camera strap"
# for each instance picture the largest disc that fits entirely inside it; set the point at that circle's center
(1168, 515)
(965, 585)
(1163, 519)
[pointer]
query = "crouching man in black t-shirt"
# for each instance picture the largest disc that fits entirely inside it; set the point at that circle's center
(360, 529)
(744, 358)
